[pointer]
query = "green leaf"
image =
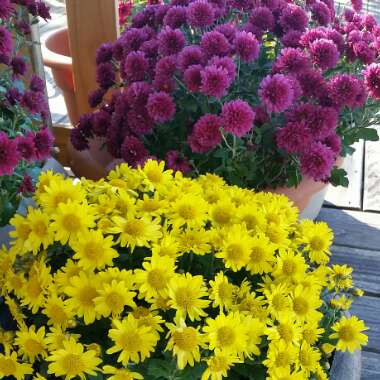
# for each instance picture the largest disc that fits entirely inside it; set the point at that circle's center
(339, 177)
(368, 134)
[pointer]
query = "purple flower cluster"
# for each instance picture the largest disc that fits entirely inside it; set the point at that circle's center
(201, 77)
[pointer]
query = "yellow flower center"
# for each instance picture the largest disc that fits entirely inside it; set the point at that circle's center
(300, 306)
(225, 336)
(187, 339)
(283, 359)
(347, 334)
(234, 252)
(309, 336)
(57, 314)
(135, 228)
(23, 231)
(273, 218)
(156, 279)
(222, 215)
(92, 250)
(257, 254)
(115, 302)
(184, 298)
(289, 267)
(218, 364)
(33, 347)
(16, 282)
(279, 302)
(250, 221)
(225, 291)
(87, 295)
(187, 211)
(140, 312)
(130, 341)
(286, 332)
(40, 228)
(151, 205)
(33, 288)
(305, 358)
(72, 364)
(7, 367)
(71, 222)
(154, 175)
(317, 244)
(60, 197)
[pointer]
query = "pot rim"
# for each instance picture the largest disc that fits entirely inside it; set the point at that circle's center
(52, 59)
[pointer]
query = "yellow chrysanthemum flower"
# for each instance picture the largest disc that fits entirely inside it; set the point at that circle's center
(311, 332)
(222, 292)
(185, 343)
(82, 291)
(194, 240)
(348, 331)
(278, 300)
(31, 342)
(280, 356)
(188, 209)
(290, 267)
(93, 250)
(254, 329)
(113, 298)
(167, 246)
(154, 206)
(6, 340)
(286, 328)
(226, 333)
(44, 181)
(308, 359)
(58, 312)
(219, 365)
(223, 213)
(285, 374)
(14, 283)
(71, 220)
(342, 303)
(20, 233)
(135, 343)
(155, 175)
(14, 309)
(10, 366)
(148, 317)
(63, 276)
(252, 305)
(121, 373)
(261, 258)
(187, 296)
(341, 277)
(153, 279)
(56, 336)
(72, 360)
(306, 304)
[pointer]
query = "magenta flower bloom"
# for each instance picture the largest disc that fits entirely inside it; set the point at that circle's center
(161, 107)
(26, 186)
(324, 53)
(225, 63)
(36, 84)
(262, 18)
(206, 134)
(276, 93)
(101, 121)
(6, 9)
(13, 96)
(43, 141)
(137, 94)
(192, 78)
(9, 155)
(200, 14)
(140, 123)
(294, 137)
(105, 75)
(228, 30)
(96, 97)
(176, 161)
(317, 162)
(344, 89)
(312, 35)
(372, 79)
(237, 117)
(292, 39)
(133, 151)
(35, 102)
(337, 38)
(215, 43)
(170, 41)
(312, 82)
(164, 83)
(334, 142)
(104, 53)
(25, 146)
(293, 17)
(175, 17)
(324, 122)
(78, 140)
(291, 61)
(215, 81)
(134, 67)
(357, 5)
(190, 55)
(19, 66)
(246, 46)
(364, 52)
(166, 66)
(6, 45)
(261, 116)
(321, 13)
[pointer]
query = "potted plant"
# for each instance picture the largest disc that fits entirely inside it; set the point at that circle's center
(25, 141)
(266, 94)
(147, 274)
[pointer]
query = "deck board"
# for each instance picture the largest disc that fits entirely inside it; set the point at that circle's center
(371, 366)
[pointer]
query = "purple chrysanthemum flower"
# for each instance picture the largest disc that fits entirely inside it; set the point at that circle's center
(344, 89)
(246, 46)
(9, 155)
(348, 14)
(291, 61)
(324, 53)
(228, 30)
(372, 79)
(215, 81)
(137, 94)
(176, 161)
(369, 21)
(337, 38)
(261, 116)
(101, 120)
(334, 142)
(36, 84)
(35, 102)
(175, 17)
(43, 11)
(276, 93)
(215, 43)
(192, 78)
(140, 123)
(19, 66)
(43, 141)
(206, 134)
(133, 151)
(200, 14)
(96, 97)
(364, 52)
(134, 67)
(150, 49)
(321, 13)
(161, 107)
(170, 41)
(311, 82)
(324, 122)
(226, 63)
(293, 17)
(105, 75)
(26, 186)
(317, 162)
(6, 45)
(23, 27)
(294, 137)
(25, 146)
(166, 66)
(164, 83)
(312, 35)
(292, 39)
(190, 55)
(357, 5)
(104, 53)
(13, 95)
(6, 9)
(238, 117)
(262, 18)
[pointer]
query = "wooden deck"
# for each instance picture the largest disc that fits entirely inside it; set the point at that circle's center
(353, 214)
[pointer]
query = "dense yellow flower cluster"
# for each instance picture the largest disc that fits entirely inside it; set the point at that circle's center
(148, 274)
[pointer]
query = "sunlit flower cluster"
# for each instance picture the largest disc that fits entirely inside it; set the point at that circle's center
(151, 274)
